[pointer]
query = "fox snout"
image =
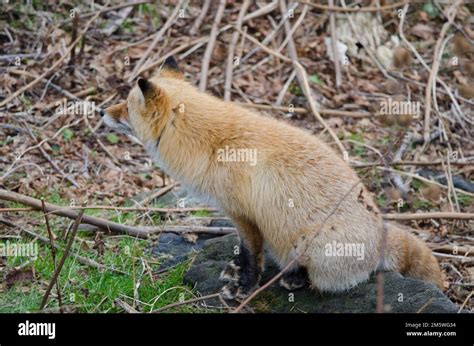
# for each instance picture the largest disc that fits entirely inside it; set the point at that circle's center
(116, 117)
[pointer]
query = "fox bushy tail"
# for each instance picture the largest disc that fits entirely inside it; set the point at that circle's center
(410, 256)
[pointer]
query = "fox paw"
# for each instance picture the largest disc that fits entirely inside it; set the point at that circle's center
(231, 276)
(294, 279)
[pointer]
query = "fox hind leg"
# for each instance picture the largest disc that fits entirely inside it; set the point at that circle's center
(242, 274)
(294, 278)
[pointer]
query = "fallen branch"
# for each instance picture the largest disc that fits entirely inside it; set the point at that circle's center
(124, 209)
(352, 9)
(190, 301)
(157, 194)
(141, 232)
(410, 163)
(453, 249)
(428, 216)
(300, 110)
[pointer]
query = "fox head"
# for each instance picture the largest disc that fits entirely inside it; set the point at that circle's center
(148, 107)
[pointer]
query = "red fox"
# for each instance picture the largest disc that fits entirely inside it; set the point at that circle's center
(276, 182)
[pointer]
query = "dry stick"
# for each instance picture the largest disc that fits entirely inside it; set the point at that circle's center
(428, 181)
(227, 230)
(434, 70)
(125, 209)
(420, 310)
(52, 68)
(302, 77)
(410, 163)
(157, 37)
(350, 9)
(200, 18)
(104, 224)
(53, 251)
(465, 302)
(262, 10)
(141, 232)
(158, 193)
(337, 67)
(176, 229)
(452, 249)
(295, 259)
(427, 216)
(230, 57)
(210, 46)
(190, 301)
(125, 306)
(301, 110)
(63, 259)
(49, 159)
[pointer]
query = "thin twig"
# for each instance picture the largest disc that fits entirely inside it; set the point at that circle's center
(190, 301)
(337, 66)
(428, 216)
(125, 306)
(351, 9)
(210, 45)
(155, 41)
(53, 251)
(465, 302)
(434, 70)
(231, 55)
(200, 18)
(62, 260)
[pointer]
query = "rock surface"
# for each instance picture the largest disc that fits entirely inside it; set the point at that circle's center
(401, 294)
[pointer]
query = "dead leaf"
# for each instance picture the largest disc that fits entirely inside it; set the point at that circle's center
(19, 275)
(423, 31)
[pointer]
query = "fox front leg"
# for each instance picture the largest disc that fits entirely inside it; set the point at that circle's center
(242, 274)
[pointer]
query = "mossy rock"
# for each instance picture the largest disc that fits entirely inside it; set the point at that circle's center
(401, 294)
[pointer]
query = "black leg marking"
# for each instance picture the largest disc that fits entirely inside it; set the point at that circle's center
(242, 275)
(294, 279)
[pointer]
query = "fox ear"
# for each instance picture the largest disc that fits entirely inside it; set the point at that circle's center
(144, 85)
(170, 68)
(147, 88)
